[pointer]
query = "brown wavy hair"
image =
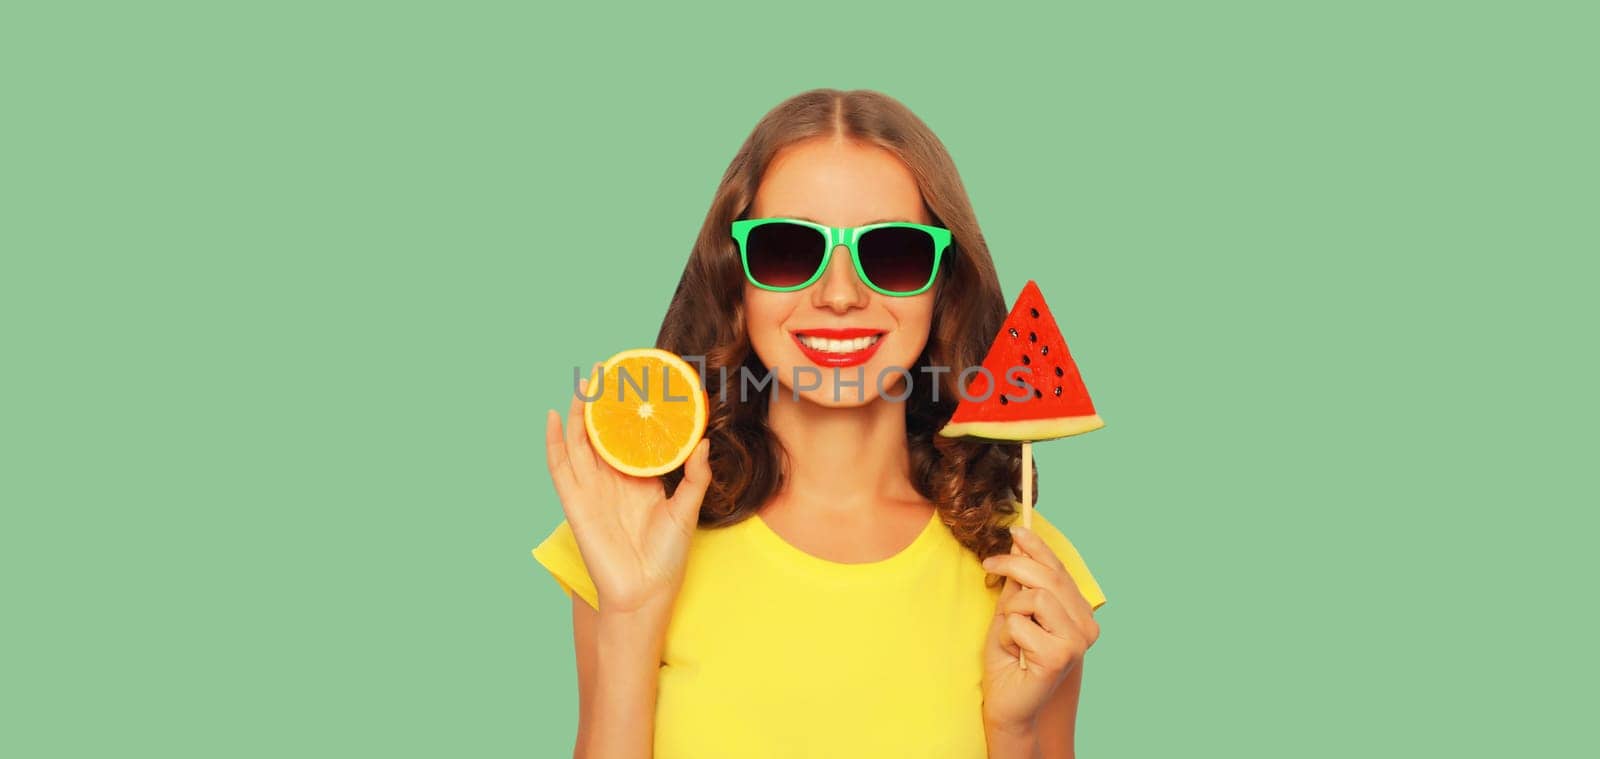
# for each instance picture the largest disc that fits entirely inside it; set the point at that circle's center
(972, 483)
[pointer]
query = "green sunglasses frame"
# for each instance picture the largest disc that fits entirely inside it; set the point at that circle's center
(847, 236)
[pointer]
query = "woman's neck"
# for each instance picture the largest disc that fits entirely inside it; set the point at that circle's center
(842, 459)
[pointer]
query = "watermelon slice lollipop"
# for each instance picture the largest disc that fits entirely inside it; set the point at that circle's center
(1030, 348)
(1060, 406)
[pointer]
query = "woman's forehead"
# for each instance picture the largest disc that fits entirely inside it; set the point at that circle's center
(840, 184)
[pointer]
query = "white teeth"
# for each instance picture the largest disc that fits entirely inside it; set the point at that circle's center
(838, 346)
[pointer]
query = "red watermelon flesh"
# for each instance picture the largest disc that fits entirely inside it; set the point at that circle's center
(1058, 403)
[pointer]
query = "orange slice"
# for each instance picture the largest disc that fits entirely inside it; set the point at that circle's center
(650, 414)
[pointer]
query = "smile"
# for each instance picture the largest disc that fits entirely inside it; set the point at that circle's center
(838, 347)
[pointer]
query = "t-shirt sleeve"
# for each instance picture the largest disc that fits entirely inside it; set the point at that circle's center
(1069, 556)
(559, 554)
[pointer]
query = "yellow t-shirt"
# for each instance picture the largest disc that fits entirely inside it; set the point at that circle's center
(774, 652)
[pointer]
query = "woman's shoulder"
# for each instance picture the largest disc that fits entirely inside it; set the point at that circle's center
(1067, 552)
(558, 553)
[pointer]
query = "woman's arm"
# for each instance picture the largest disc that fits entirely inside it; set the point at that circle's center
(1058, 719)
(1040, 612)
(616, 690)
(1011, 742)
(634, 542)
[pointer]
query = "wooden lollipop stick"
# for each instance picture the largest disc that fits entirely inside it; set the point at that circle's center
(1027, 513)
(1027, 485)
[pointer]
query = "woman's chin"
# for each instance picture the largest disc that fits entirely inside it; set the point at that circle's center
(843, 397)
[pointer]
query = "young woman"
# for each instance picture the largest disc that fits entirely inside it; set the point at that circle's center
(823, 577)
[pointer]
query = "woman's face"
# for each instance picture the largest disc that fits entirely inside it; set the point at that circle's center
(839, 183)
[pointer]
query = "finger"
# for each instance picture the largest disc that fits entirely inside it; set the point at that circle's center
(691, 492)
(1071, 595)
(584, 462)
(1060, 584)
(1023, 569)
(1041, 647)
(1043, 606)
(1010, 588)
(555, 456)
(1031, 573)
(1035, 547)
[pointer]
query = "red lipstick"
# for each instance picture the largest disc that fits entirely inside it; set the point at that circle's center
(828, 358)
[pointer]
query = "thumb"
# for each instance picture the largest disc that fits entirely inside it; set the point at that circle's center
(685, 502)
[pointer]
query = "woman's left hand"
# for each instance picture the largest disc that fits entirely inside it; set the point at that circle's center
(1041, 613)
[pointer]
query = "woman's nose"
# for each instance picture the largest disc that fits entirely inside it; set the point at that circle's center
(840, 289)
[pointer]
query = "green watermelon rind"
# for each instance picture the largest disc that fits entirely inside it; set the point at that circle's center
(1025, 430)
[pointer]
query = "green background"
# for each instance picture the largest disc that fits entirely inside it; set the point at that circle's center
(288, 287)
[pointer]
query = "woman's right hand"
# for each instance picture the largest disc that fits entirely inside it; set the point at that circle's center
(633, 538)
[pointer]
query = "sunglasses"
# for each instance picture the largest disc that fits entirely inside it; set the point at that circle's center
(895, 258)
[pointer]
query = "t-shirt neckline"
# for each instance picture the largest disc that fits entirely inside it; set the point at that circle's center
(792, 554)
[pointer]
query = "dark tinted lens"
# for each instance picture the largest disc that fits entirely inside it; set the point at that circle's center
(897, 258)
(781, 254)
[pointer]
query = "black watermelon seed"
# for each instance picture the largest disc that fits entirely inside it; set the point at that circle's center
(1026, 360)
(1033, 338)
(1003, 399)
(1037, 393)
(1058, 390)
(1059, 372)
(1044, 350)
(1034, 312)
(1013, 331)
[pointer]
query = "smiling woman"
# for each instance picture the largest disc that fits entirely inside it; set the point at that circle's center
(810, 584)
